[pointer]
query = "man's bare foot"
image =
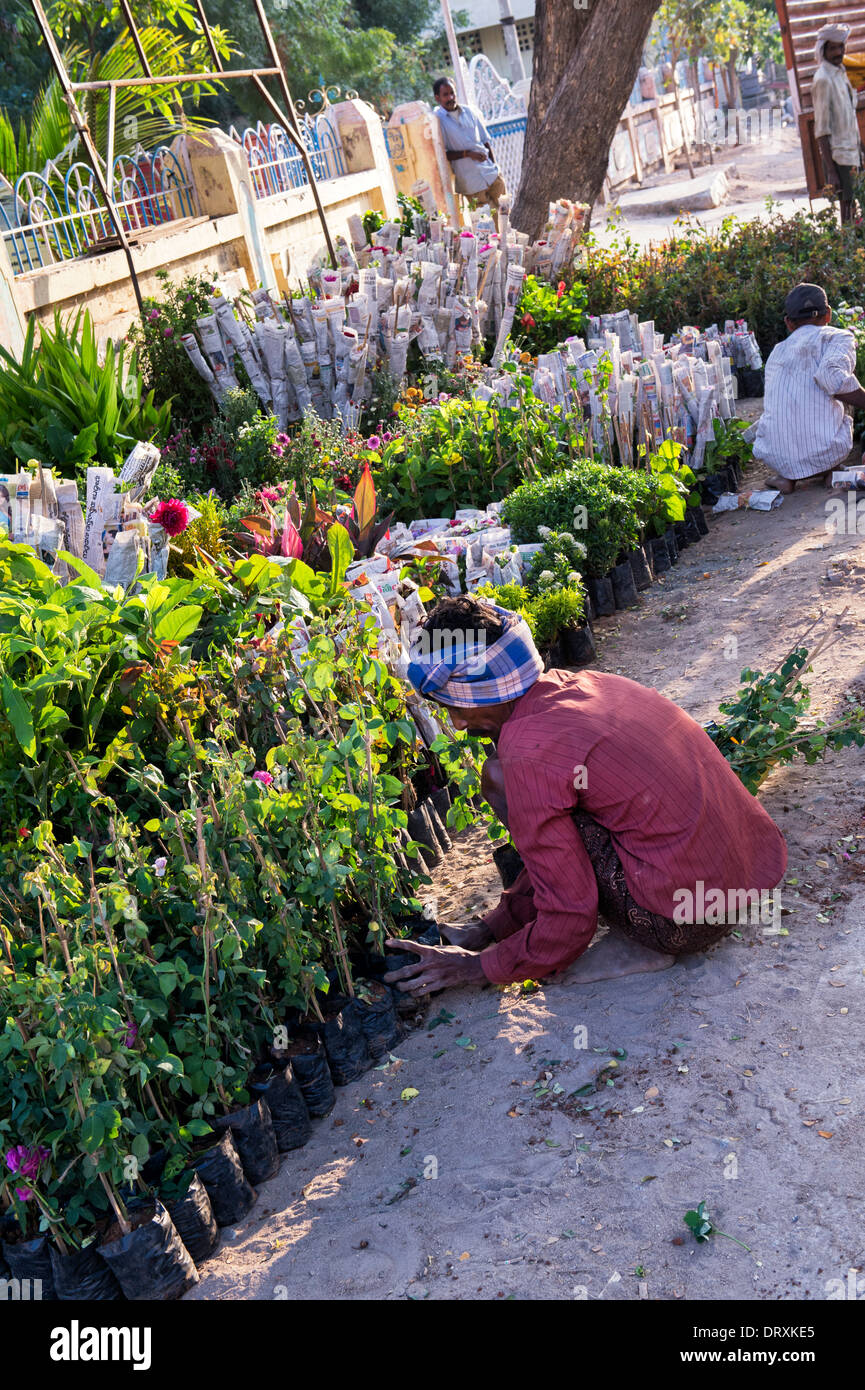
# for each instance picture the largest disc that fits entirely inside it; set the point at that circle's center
(783, 485)
(615, 956)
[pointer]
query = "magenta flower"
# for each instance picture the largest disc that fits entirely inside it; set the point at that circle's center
(387, 436)
(172, 515)
(169, 332)
(265, 778)
(373, 442)
(131, 1035)
(26, 1162)
(153, 315)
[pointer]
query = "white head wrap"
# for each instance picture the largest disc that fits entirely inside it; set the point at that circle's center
(830, 33)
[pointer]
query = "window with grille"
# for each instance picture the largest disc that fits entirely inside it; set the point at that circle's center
(526, 34)
(470, 43)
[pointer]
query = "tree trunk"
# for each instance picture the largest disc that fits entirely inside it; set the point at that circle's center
(585, 62)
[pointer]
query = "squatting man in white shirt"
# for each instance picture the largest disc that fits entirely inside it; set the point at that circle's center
(805, 430)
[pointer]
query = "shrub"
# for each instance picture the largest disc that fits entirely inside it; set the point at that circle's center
(553, 611)
(559, 564)
(60, 404)
(165, 366)
(738, 270)
(546, 316)
(466, 453)
(608, 507)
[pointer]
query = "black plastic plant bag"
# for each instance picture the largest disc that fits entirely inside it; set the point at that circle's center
(603, 599)
(640, 568)
(288, 1112)
(575, 646)
(624, 588)
(422, 833)
(440, 830)
(194, 1220)
(700, 521)
(31, 1259)
(312, 1074)
(220, 1170)
(83, 1274)
(378, 1021)
(151, 1262)
(660, 555)
(347, 1053)
(254, 1139)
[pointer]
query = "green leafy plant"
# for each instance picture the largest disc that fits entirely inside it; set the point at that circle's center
(558, 564)
(163, 360)
(728, 445)
(546, 315)
(553, 611)
(60, 404)
(676, 488)
(603, 506)
(763, 729)
(701, 1227)
(466, 453)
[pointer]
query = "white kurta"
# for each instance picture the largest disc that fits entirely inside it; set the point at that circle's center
(835, 113)
(804, 431)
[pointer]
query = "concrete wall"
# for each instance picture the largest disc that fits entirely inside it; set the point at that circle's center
(252, 241)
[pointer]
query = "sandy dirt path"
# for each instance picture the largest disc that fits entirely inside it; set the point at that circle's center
(742, 1080)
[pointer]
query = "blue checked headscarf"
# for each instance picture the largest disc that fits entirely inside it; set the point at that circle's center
(470, 674)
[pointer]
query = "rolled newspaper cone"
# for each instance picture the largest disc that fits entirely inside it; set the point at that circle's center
(319, 323)
(193, 352)
(217, 354)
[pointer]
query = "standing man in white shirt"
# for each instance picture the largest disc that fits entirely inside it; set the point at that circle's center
(468, 149)
(805, 430)
(836, 128)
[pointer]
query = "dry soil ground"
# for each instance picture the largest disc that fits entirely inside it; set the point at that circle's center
(742, 1079)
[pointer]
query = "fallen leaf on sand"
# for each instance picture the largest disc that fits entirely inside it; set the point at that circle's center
(825, 1133)
(465, 1255)
(809, 1123)
(409, 1094)
(651, 1093)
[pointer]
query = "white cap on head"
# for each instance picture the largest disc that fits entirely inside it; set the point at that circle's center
(830, 33)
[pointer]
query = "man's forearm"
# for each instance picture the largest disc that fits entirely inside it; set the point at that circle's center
(855, 398)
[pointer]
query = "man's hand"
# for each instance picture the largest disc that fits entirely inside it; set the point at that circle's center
(438, 967)
(477, 155)
(473, 937)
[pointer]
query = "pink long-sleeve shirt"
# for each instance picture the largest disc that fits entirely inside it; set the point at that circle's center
(641, 767)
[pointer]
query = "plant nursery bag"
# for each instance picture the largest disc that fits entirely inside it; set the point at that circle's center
(194, 1220)
(220, 1170)
(151, 1262)
(83, 1274)
(288, 1112)
(312, 1074)
(254, 1139)
(31, 1259)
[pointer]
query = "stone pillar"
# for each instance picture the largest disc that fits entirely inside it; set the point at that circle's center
(364, 147)
(417, 152)
(225, 188)
(12, 325)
